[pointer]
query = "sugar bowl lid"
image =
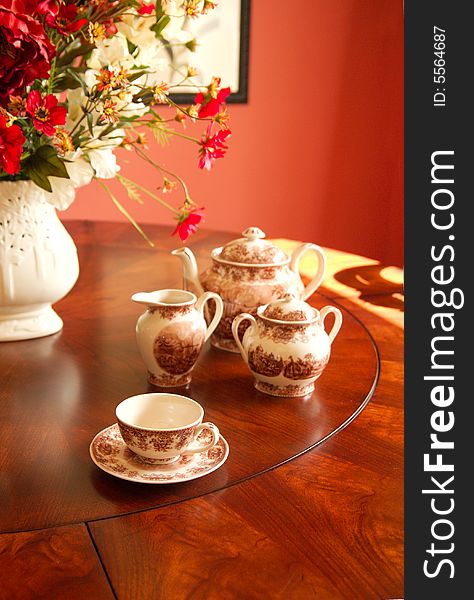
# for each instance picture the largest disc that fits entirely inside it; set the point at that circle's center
(252, 249)
(289, 309)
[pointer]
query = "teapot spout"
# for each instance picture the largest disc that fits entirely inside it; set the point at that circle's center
(190, 270)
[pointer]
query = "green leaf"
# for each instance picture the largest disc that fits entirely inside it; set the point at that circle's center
(42, 164)
(131, 47)
(161, 23)
(41, 180)
(65, 82)
(68, 57)
(135, 75)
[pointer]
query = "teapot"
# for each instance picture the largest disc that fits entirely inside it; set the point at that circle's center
(286, 346)
(247, 273)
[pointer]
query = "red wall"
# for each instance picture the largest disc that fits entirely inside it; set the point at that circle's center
(317, 153)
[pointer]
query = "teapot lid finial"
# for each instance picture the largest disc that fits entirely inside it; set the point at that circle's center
(253, 233)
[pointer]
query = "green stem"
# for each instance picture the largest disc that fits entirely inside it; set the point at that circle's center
(125, 212)
(152, 195)
(164, 170)
(171, 131)
(51, 75)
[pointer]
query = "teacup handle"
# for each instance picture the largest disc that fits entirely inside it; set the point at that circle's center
(337, 320)
(317, 279)
(217, 314)
(215, 438)
(235, 332)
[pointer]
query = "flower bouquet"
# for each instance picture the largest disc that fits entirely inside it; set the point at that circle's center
(79, 79)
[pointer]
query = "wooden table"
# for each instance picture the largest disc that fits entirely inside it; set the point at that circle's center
(309, 503)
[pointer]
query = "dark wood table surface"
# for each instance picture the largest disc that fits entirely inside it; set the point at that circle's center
(309, 503)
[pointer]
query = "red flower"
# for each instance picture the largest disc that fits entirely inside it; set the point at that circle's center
(46, 113)
(146, 9)
(188, 222)
(212, 100)
(212, 148)
(11, 147)
(25, 50)
(43, 7)
(64, 21)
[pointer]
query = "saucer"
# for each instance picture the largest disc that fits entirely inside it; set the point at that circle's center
(109, 452)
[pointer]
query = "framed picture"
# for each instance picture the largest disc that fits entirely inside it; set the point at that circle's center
(223, 50)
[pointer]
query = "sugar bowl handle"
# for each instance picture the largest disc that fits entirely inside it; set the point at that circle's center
(337, 320)
(318, 278)
(235, 332)
(218, 310)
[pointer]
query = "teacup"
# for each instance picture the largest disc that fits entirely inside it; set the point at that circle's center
(161, 427)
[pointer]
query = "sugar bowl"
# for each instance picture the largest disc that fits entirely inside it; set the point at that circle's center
(286, 346)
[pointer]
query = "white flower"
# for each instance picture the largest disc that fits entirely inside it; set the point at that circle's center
(174, 32)
(111, 52)
(104, 163)
(75, 101)
(137, 29)
(100, 153)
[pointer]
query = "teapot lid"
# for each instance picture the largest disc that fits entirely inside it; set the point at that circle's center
(289, 308)
(253, 249)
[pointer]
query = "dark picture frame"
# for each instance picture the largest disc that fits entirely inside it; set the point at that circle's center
(239, 96)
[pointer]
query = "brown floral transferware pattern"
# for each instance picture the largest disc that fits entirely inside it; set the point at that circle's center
(177, 347)
(265, 363)
(284, 334)
(161, 442)
(287, 391)
(260, 253)
(251, 248)
(170, 312)
(304, 368)
(243, 273)
(276, 312)
(109, 452)
(270, 365)
(165, 380)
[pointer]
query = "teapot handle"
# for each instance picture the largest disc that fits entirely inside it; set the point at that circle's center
(317, 279)
(235, 332)
(337, 320)
(217, 314)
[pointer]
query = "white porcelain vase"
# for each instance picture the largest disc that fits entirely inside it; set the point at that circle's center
(38, 262)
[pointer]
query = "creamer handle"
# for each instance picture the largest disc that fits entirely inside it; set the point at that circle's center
(318, 278)
(217, 314)
(337, 320)
(235, 332)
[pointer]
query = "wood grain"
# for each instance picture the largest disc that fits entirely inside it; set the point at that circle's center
(52, 563)
(327, 525)
(59, 391)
